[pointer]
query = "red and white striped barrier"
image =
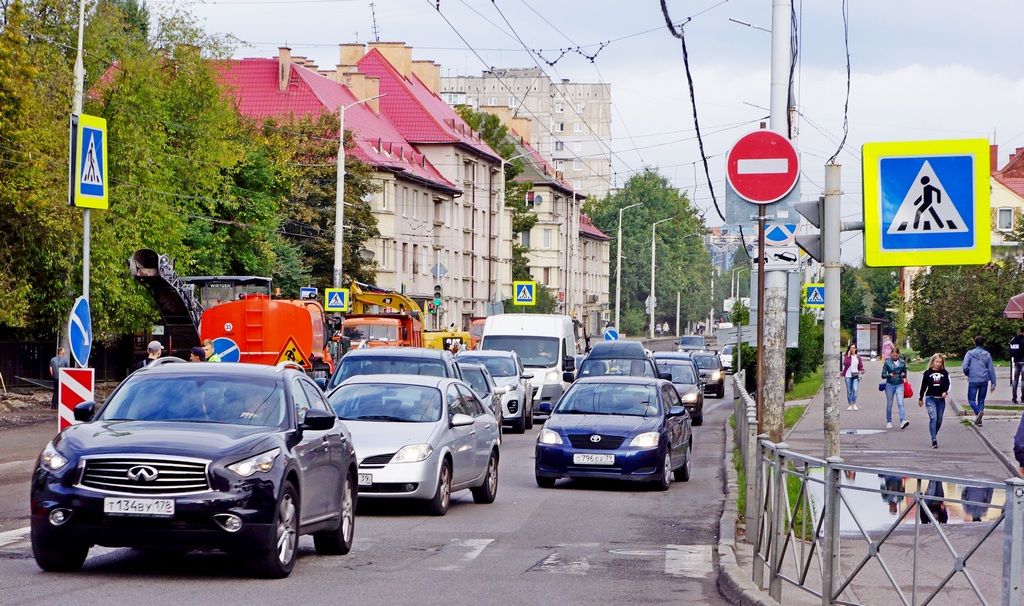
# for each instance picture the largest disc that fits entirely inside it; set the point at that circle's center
(76, 385)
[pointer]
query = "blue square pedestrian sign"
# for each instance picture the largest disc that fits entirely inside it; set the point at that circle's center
(524, 293)
(814, 295)
(89, 162)
(336, 299)
(926, 203)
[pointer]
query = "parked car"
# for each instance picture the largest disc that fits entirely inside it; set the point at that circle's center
(691, 343)
(420, 437)
(395, 361)
(618, 358)
(485, 388)
(710, 366)
(687, 380)
(508, 371)
(242, 458)
(628, 428)
(726, 356)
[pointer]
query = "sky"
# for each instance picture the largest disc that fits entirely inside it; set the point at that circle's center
(919, 70)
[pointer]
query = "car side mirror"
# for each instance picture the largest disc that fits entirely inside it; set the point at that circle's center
(677, 411)
(318, 420)
(569, 364)
(568, 377)
(527, 376)
(85, 411)
(461, 420)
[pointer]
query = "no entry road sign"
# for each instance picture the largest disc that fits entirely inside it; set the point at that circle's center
(762, 167)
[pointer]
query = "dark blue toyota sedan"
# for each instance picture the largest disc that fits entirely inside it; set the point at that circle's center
(625, 428)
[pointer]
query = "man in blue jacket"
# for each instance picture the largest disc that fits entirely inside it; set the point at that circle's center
(980, 372)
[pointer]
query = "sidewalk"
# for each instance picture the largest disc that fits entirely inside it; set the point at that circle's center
(964, 451)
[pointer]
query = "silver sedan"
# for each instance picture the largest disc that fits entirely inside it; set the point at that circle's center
(419, 437)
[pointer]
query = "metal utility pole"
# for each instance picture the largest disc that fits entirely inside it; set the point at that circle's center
(772, 307)
(76, 109)
(831, 225)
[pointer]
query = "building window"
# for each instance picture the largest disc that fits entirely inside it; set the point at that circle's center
(384, 197)
(559, 146)
(577, 127)
(405, 200)
(547, 276)
(385, 259)
(577, 147)
(513, 102)
(577, 184)
(534, 199)
(547, 239)
(559, 164)
(472, 102)
(492, 100)
(415, 204)
(560, 127)
(405, 257)
(579, 107)
(1004, 221)
(415, 259)
(577, 164)
(524, 238)
(559, 108)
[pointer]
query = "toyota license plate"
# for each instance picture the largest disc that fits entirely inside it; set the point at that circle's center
(159, 508)
(365, 479)
(593, 459)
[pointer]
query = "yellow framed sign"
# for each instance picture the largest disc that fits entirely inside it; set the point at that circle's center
(88, 179)
(525, 293)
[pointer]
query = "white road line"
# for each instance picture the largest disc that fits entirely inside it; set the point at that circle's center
(470, 548)
(693, 561)
(14, 536)
(763, 166)
(554, 564)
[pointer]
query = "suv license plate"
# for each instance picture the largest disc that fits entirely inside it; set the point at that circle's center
(160, 508)
(593, 459)
(365, 479)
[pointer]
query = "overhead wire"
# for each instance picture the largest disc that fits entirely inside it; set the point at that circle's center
(846, 106)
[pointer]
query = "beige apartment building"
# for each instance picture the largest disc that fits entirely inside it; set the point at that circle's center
(570, 122)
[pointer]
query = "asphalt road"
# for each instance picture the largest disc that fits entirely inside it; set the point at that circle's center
(578, 543)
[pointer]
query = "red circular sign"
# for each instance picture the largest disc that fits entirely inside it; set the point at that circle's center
(762, 167)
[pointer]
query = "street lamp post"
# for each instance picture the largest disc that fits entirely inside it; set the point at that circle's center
(653, 260)
(618, 268)
(339, 201)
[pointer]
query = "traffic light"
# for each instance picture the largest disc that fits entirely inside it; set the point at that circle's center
(430, 307)
(814, 212)
(438, 295)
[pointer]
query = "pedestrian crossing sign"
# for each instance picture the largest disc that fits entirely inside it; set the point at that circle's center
(336, 299)
(926, 203)
(814, 295)
(524, 293)
(88, 177)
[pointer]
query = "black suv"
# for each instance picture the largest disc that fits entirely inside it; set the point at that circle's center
(395, 361)
(241, 458)
(711, 369)
(619, 358)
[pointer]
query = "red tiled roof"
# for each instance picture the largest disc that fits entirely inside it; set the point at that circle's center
(540, 164)
(588, 229)
(1014, 184)
(378, 142)
(420, 115)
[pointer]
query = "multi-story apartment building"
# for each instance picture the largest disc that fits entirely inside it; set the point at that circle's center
(570, 122)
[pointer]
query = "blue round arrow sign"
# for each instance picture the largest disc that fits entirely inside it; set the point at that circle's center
(80, 331)
(226, 349)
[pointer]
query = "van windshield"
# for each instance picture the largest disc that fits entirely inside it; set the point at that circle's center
(535, 352)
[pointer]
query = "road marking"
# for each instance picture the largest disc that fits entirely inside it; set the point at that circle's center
(554, 564)
(465, 550)
(14, 536)
(693, 561)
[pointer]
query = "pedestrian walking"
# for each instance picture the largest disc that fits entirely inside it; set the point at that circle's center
(894, 371)
(853, 368)
(887, 346)
(56, 363)
(934, 389)
(665, 329)
(154, 350)
(980, 372)
(1017, 363)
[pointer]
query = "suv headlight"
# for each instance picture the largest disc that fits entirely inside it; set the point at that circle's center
(549, 437)
(412, 453)
(261, 463)
(690, 397)
(51, 460)
(649, 439)
(716, 375)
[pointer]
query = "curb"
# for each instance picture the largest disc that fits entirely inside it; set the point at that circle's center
(733, 584)
(1010, 464)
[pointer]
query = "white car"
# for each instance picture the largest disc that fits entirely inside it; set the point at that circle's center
(507, 370)
(419, 437)
(726, 357)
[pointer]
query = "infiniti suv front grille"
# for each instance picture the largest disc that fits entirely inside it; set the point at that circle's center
(141, 475)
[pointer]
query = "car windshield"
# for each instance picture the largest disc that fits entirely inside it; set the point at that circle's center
(623, 367)
(535, 352)
(351, 366)
(198, 399)
(476, 380)
(682, 372)
(691, 341)
(609, 399)
(706, 361)
(371, 332)
(387, 402)
(497, 366)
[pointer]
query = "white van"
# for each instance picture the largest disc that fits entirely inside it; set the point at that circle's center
(547, 345)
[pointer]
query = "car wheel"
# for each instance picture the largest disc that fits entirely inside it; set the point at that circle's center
(339, 541)
(486, 492)
(519, 425)
(62, 557)
(683, 473)
(277, 559)
(721, 391)
(698, 419)
(545, 482)
(666, 473)
(438, 506)
(529, 416)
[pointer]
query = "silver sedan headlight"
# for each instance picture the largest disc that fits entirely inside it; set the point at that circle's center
(413, 453)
